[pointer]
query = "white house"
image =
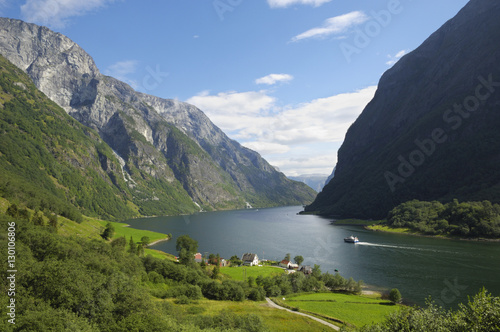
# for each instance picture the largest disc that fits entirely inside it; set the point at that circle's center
(250, 259)
(284, 263)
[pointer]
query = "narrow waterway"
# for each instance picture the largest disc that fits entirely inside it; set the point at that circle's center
(447, 270)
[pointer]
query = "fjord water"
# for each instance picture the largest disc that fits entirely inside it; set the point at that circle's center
(446, 270)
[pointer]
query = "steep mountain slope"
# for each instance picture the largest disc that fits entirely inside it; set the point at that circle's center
(50, 161)
(166, 140)
(431, 130)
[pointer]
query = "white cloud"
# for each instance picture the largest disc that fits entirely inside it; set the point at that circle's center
(274, 78)
(334, 26)
(319, 160)
(234, 111)
(395, 58)
(266, 148)
(294, 138)
(55, 13)
(286, 3)
(121, 71)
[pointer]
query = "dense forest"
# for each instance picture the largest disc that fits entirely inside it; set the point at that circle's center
(466, 219)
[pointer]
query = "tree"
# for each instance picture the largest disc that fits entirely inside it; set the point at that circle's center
(215, 272)
(38, 219)
(145, 240)
(298, 259)
(187, 248)
(24, 214)
(109, 231)
(53, 222)
(235, 260)
(13, 211)
(288, 257)
(133, 246)
(120, 242)
(316, 271)
(251, 281)
(395, 296)
(140, 249)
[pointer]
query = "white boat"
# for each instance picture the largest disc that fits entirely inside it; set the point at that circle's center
(351, 239)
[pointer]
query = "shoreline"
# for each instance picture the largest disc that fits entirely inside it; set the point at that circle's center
(158, 241)
(387, 229)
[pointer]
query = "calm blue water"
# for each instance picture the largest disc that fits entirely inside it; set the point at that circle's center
(447, 270)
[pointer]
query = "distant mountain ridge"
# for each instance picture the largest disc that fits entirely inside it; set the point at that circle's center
(157, 140)
(315, 181)
(431, 130)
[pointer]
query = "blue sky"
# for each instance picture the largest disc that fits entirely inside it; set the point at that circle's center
(283, 77)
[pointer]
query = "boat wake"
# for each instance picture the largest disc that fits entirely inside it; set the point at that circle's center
(393, 246)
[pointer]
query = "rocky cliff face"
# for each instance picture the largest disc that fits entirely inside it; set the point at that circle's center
(170, 141)
(429, 132)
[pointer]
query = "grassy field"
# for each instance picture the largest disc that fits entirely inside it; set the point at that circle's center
(357, 310)
(238, 273)
(122, 229)
(275, 319)
(385, 228)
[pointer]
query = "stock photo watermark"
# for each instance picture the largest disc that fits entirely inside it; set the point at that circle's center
(372, 28)
(153, 78)
(454, 117)
(224, 6)
(450, 293)
(325, 247)
(11, 272)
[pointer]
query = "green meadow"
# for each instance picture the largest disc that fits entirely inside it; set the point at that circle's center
(357, 310)
(239, 273)
(274, 319)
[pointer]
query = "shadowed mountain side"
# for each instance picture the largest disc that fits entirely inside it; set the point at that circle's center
(431, 130)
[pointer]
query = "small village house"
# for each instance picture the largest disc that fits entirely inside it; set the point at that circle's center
(285, 264)
(250, 259)
(198, 258)
(306, 269)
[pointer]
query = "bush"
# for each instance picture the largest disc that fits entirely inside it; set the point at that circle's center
(228, 290)
(395, 296)
(183, 299)
(192, 292)
(257, 294)
(155, 277)
(229, 321)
